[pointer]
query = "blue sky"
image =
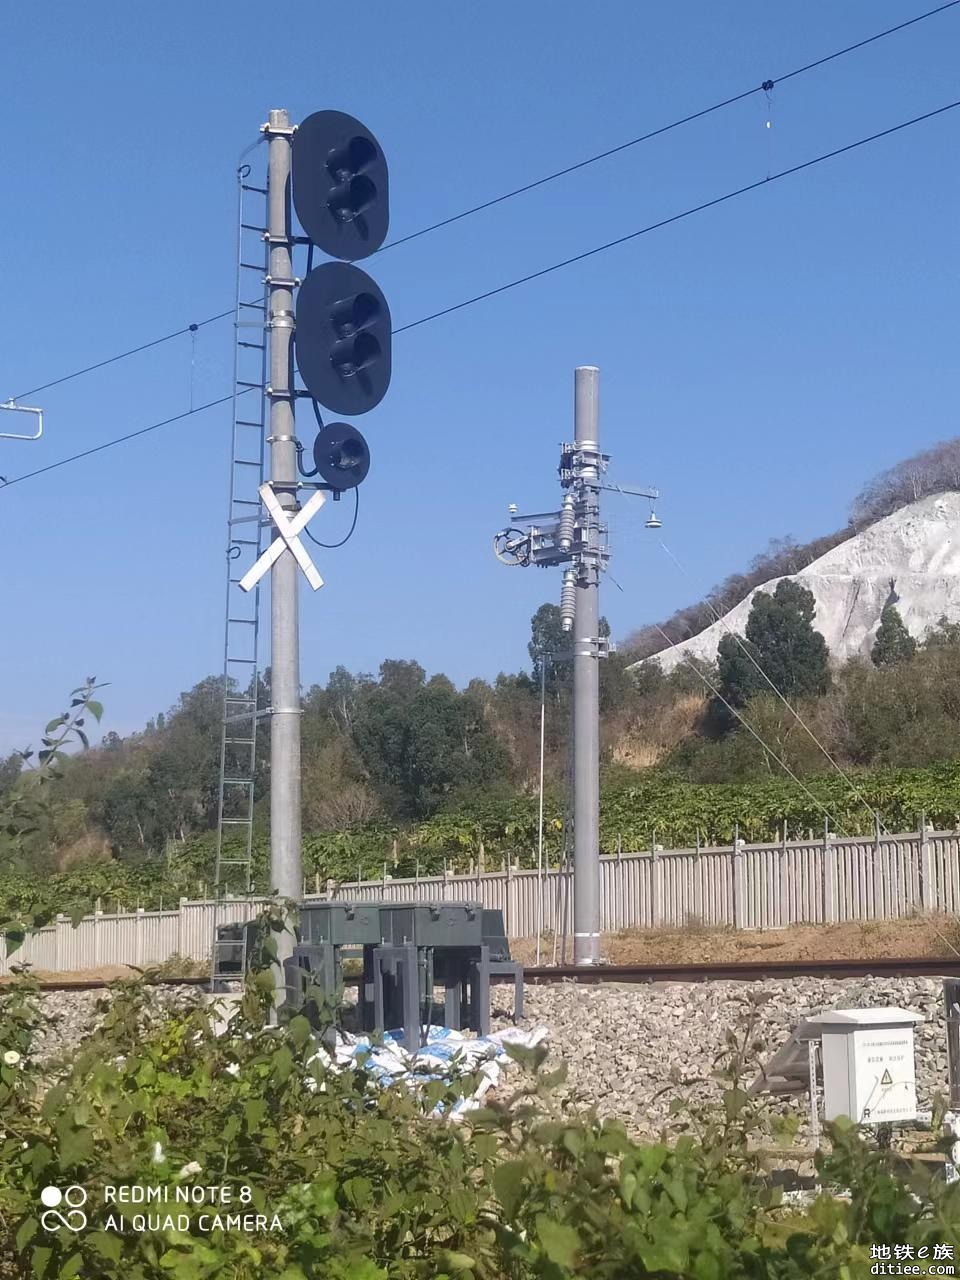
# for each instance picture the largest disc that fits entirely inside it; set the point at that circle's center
(759, 361)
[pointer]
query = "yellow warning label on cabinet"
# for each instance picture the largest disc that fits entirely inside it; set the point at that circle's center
(886, 1078)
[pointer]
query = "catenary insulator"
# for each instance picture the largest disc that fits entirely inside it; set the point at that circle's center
(568, 599)
(565, 527)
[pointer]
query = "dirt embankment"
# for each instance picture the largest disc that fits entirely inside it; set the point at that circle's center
(917, 937)
(914, 938)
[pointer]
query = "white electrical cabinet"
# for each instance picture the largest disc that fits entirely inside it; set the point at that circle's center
(869, 1071)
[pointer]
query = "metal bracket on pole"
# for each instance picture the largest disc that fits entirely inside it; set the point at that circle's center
(245, 718)
(22, 408)
(598, 647)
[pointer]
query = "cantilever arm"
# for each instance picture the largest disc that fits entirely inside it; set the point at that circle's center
(22, 408)
(633, 493)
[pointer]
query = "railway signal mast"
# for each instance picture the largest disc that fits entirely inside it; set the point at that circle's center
(334, 323)
(575, 537)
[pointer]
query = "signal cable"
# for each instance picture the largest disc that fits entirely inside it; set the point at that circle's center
(300, 467)
(765, 87)
(332, 546)
(316, 407)
(557, 266)
(298, 444)
(793, 711)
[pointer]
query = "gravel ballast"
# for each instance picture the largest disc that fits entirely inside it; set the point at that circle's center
(623, 1044)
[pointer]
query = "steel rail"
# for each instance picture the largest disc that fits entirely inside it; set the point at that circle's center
(752, 971)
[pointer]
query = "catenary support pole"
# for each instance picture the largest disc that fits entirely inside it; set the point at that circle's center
(586, 676)
(285, 855)
(543, 720)
(951, 1013)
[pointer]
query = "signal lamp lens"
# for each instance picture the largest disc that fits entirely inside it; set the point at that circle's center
(353, 355)
(351, 314)
(348, 200)
(341, 456)
(353, 157)
(349, 456)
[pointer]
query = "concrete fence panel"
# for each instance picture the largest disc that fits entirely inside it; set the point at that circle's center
(760, 886)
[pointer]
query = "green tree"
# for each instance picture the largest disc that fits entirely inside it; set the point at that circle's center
(945, 635)
(781, 639)
(893, 642)
(420, 751)
(740, 679)
(28, 812)
(401, 677)
(548, 639)
(125, 812)
(344, 694)
(163, 784)
(619, 690)
(10, 771)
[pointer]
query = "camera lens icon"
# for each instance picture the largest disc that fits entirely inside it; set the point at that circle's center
(73, 1197)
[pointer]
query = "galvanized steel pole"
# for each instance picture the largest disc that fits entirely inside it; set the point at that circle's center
(285, 854)
(951, 1013)
(543, 722)
(586, 676)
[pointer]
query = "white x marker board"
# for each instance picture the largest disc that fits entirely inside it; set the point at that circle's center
(290, 527)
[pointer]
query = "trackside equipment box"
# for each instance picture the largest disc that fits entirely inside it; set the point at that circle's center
(869, 1071)
(342, 923)
(432, 924)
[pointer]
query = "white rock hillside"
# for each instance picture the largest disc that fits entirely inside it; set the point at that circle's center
(915, 552)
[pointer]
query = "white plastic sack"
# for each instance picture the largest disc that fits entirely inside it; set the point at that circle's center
(448, 1054)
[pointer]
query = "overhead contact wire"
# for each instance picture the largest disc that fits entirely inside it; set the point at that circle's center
(764, 87)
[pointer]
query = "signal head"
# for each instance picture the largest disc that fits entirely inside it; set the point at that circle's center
(343, 338)
(340, 186)
(341, 456)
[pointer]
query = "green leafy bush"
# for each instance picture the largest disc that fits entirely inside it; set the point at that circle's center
(365, 1185)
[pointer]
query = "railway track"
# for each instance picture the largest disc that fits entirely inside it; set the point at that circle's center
(754, 971)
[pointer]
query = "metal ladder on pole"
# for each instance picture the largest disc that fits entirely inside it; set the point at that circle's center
(241, 685)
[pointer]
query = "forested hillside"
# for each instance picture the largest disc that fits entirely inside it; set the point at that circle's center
(935, 470)
(402, 770)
